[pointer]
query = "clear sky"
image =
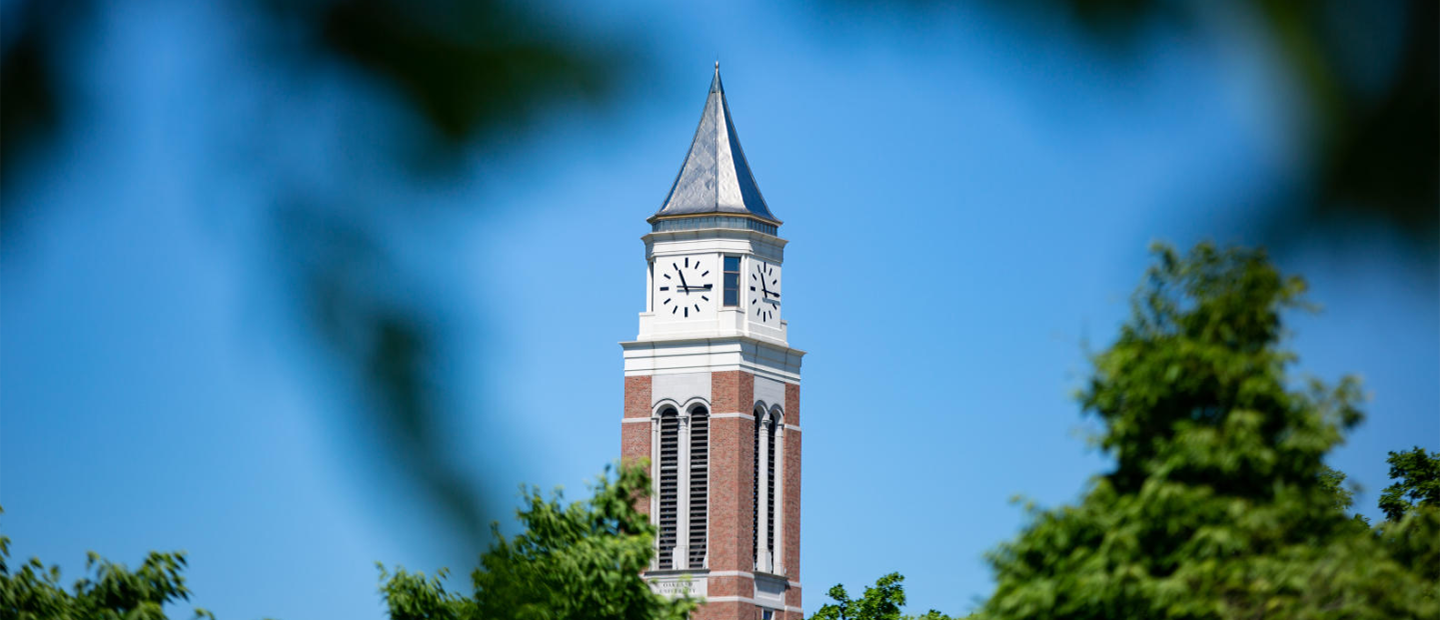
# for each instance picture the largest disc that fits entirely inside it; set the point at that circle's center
(968, 205)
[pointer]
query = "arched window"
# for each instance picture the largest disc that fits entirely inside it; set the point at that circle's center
(668, 476)
(765, 517)
(699, 484)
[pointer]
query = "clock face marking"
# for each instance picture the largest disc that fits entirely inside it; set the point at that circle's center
(687, 279)
(765, 277)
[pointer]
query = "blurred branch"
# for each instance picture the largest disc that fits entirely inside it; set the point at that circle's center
(1373, 145)
(466, 70)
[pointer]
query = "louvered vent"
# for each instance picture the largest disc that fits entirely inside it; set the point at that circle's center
(669, 486)
(699, 484)
(770, 490)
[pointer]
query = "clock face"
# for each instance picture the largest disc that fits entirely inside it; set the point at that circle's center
(764, 291)
(684, 286)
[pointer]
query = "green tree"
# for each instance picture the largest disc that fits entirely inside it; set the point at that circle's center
(581, 561)
(108, 591)
(881, 601)
(1220, 505)
(1418, 483)
(1411, 531)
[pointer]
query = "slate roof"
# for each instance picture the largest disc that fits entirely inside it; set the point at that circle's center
(715, 177)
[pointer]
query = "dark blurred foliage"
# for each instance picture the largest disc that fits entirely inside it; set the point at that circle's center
(31, 102)
(465, 73)
(1368, 124)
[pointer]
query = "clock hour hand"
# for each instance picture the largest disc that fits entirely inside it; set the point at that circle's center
(698, 287)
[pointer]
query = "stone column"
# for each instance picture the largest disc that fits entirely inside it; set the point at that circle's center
(682, 495)
(655, 484)
(779, 559)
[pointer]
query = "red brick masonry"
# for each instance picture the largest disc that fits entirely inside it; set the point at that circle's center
(732, 476)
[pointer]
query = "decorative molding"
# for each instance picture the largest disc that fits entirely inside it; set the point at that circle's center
(746, 599)
(728, 415)
(763, 358)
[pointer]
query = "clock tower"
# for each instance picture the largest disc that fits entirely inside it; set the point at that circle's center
(712, 388)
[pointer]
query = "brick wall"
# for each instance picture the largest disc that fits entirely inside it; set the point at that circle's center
(732, 478)
(635, 436)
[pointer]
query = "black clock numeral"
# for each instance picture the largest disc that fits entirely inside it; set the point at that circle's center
(687, 261)
(707, 272)
(704, 298)
(753, 301)
(751, 288)
(667, 276)
(674, 310)
(687, 312)
(667, 302)
(665, 288)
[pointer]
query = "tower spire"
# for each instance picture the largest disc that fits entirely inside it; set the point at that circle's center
(715, 177)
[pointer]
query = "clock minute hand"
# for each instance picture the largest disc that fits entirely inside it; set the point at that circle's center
(682, 280)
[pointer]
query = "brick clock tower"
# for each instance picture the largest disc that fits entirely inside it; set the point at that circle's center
(712, 388)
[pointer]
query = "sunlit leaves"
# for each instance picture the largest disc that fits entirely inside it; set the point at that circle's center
(573, 561)
(108, 591)
(1220, 504)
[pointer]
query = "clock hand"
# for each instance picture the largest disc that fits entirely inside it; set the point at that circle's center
(682, 278)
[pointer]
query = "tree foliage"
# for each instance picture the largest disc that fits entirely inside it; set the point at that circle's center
(581, 561)
(881, 601)
(108, 591)
(1220, 505)
(1417, 475)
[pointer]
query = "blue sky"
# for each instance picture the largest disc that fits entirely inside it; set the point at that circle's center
(968, 204)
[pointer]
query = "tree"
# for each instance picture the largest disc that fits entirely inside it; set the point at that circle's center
(1411, 531)
(1418, 475)
(1219, 505)
(108, 592)
(881, 601)
(581, 561)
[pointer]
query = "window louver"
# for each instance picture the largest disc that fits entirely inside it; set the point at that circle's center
(669, 486)
(699, 484)
(770, 491)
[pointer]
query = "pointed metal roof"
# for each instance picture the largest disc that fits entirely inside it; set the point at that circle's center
(715, 177)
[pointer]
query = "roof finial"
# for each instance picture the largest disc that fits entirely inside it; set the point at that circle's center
(717, 64)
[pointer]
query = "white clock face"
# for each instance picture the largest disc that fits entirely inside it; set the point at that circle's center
(685, 286)
(764, 292)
